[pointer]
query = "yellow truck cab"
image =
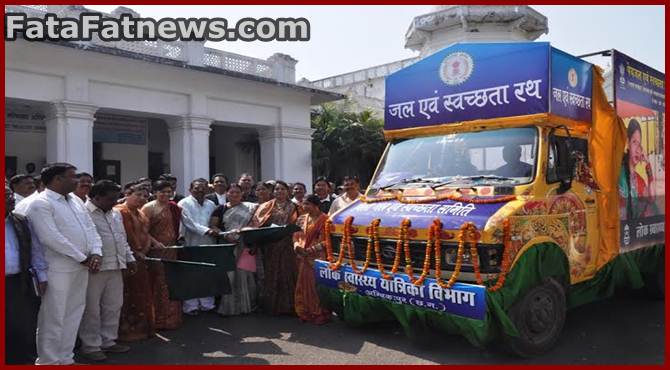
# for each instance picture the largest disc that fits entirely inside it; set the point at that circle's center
(506, 195)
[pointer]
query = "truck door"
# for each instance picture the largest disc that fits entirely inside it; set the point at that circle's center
(579, 202)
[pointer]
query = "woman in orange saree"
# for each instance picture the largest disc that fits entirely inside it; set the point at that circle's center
(279, 263)
(137, 312)
(163, 231)
(308, 245)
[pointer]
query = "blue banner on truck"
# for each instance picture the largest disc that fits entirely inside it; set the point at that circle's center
(452, 214)
(571, 86)
(465, 300)
(467, 82)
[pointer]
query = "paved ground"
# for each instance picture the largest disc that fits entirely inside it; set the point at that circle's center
(626, 329)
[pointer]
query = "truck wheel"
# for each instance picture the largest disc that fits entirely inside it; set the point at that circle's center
(539, 317)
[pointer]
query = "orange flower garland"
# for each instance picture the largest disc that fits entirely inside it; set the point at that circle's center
(459, 259)
(467, 234)
(346, 241)
(409, 270)
(470, 231)
(434, 235)
(404, 232)
(368, 250)
(507, 260)
(374, 235)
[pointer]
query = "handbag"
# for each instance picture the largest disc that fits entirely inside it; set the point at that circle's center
(246, 261)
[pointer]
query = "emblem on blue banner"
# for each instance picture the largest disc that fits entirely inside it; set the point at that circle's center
(456, 68)
(572, 78)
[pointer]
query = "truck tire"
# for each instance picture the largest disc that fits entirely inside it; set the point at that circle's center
(539, 317)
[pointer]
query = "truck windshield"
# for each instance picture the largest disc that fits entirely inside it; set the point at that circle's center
(506, 156)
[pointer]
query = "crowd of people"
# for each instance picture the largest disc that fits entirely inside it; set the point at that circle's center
(82, 256)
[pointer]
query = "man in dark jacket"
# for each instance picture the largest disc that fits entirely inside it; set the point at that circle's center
(220, 183)
(23, 258)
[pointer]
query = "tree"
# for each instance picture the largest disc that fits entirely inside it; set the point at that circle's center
(346, 143)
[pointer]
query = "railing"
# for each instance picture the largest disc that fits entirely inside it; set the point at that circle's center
(175, 50)
(236, 62)
(362, 75)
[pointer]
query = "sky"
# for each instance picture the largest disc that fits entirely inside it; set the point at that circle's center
(348, 38)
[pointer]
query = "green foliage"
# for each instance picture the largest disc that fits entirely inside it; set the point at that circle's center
(346, 143)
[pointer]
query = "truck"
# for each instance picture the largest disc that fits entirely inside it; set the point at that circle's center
(511, 190)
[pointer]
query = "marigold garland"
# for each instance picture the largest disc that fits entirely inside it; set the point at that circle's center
(368, 249)
(434, 235)
(507, 260)
(374, 235)
(346, 241)
(467, 234)
(404, 234)
(459, 260)
(470, 232)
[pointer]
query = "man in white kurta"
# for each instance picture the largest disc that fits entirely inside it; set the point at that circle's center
(195, 215)
(72, 248)
(104, 297)
(351, 187)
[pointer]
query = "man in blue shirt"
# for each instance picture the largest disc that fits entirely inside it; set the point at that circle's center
(23, 261)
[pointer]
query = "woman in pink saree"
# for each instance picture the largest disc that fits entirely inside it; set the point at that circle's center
(308, 245)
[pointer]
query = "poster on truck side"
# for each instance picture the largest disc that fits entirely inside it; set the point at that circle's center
(639, 99)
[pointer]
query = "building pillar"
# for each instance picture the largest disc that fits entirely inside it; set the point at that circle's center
(189, 149)
(286, 154)
(69, 134)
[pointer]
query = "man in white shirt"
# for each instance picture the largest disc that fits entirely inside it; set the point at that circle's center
(220, 182)
(72, 249)
(104, 296)
(23, 186)
(299, 192)
(195, 215)
(351, 187)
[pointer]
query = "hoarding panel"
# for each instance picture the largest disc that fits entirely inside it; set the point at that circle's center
(639, 92)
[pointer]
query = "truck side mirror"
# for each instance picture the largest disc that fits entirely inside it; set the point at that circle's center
(565, 168)
(564, 161)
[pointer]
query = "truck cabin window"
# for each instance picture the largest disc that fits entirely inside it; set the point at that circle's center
(496, 157)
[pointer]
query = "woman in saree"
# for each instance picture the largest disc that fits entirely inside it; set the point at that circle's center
(279, 262)
(264, 191)
(137, 314)
(164, 217)
(636, 182)
(308, 245)
(231, 217)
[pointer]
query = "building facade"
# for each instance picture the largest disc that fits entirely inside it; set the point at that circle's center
(124, 110)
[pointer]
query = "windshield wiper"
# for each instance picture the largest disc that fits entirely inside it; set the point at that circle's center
(471, 179)
(407, 181)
